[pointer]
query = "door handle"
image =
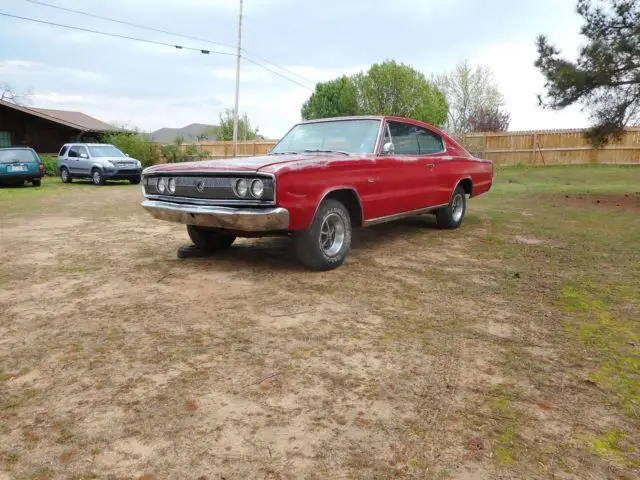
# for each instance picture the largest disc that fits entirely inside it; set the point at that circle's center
(430, 166)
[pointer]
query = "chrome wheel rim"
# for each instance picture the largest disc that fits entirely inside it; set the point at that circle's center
(64, 175)
(332, 234)
(96, 177)
(457, 208)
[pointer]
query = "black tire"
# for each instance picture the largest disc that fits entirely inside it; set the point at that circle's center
(209, 239)
(452, 215)
(331, 223)
(65, 176)
(36, 182)
(97, 177)
(135, 181)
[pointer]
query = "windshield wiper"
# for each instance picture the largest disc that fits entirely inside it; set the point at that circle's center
(283, 153)
(320, 150)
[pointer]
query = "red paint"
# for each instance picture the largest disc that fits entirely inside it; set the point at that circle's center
(385, 184)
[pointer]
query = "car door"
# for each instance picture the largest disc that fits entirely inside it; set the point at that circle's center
(73, 157)
(414, 167)
(84, 161)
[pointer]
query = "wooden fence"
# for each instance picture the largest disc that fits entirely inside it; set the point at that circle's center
(542, 147)
(552, 147)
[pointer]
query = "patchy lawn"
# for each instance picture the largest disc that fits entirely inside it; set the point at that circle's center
(509, 348)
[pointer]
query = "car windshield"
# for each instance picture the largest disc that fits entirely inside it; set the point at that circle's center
(351, 136)
(17, 155)
(105, 151)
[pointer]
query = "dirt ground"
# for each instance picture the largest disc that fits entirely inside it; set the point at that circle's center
(431, 354)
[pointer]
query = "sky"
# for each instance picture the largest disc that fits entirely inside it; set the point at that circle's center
(152, 86)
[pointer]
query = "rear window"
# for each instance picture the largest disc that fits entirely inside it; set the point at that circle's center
(10, 155)
(63, 151)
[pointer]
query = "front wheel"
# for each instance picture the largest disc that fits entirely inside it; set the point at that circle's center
(326, 243)
(65, 176)
(135, 181)
(452, 215)
(97, 177)
(209, 239)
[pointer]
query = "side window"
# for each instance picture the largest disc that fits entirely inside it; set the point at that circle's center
(404, 139)
(63, 151)
(83, 150)
(413, 140)
(73, 153)
(428, 142)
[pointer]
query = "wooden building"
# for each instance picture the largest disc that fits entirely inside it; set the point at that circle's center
(47, 130)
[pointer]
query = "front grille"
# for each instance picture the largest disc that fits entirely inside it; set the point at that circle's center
(210, 188)
(126, 164)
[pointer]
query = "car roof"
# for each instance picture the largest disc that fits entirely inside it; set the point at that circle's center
(91, 144)
(16, 148)
(354, 117)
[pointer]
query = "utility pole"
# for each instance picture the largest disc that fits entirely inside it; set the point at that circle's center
(235, 110)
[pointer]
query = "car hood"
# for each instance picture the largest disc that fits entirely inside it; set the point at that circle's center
(248, 164)
(116, 159)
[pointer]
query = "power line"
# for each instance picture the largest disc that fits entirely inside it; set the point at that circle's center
(126, 37)
(189, 37)
(277, 73)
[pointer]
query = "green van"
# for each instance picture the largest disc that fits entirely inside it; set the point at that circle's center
(18, 164)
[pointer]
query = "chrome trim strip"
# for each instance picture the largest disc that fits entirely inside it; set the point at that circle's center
(398, 216)
(442, 142)
(454, 188)
(206, 173)
(210, 202)
(236, 219)
(337, 189)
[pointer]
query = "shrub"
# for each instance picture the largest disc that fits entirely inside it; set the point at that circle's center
(50, 166)
(134, 144)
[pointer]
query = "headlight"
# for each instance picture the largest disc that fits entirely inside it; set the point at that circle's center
(257, 188)
(241, 188)
(171, 186)
(109, 164)
(162, 185)
(138, 163)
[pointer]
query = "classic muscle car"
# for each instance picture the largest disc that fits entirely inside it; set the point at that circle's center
(322, 179)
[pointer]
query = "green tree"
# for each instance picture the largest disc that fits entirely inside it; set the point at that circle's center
(392, 88)
(388, 88)
(131, 142)
(606, 76)
(245, 130)
(335, 98)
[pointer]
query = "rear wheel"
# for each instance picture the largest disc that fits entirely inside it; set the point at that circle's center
(209, 239)
(36, 182)
(135, 181)
(97, 177)
(452, 215)
(326, 243)
(64, 175)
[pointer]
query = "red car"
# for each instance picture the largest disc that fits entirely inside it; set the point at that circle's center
(322, 179)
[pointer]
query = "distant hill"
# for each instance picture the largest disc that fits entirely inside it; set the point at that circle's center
(191, 133)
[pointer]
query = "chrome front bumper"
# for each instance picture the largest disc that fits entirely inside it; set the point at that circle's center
(228, 218)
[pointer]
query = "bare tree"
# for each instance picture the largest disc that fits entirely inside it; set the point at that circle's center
(468, 91)
(10, 94)
(493, 119)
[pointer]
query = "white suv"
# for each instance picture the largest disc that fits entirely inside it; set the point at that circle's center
(99, 162)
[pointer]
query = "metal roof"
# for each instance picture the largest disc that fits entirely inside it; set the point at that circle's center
(77, 120)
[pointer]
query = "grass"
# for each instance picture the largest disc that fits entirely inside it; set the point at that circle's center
(508, 348)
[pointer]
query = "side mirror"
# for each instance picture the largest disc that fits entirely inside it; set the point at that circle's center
(127, 154)
(388, 148)
(84, 155)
